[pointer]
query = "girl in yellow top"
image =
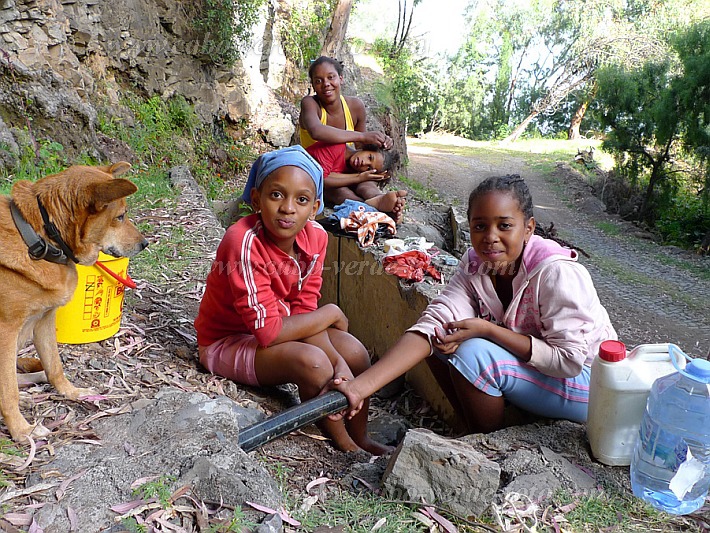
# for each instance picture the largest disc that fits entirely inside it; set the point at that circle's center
(330, 117)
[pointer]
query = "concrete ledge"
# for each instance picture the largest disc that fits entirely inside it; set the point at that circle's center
(380, 307)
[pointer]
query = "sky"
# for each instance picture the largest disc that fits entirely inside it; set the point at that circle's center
(439, 22)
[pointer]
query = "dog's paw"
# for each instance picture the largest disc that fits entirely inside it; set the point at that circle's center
(20, 431)
(73, 393)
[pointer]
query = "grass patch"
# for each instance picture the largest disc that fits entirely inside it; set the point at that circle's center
(541, 154)
(702, 273)
(696, 269)
(625, 275)
(613, 512)
(360, 513)
(153, 188)
(608, 227)
(421, 191)
(8, 448)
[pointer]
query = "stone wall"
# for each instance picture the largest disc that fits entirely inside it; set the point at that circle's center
(380, 308)
(63, 60)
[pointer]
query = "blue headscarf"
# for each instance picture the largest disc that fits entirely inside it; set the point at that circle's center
(294, 156)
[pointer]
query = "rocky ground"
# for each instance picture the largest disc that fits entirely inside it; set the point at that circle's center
(653, 293)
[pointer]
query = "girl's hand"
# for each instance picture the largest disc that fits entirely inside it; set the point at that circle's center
(377, 138)
(342, 371)
(440, 343)
(370, 175)
(343, 384)
(457, 332)
(382, 176)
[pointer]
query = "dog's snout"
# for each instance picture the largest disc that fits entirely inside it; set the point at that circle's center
(137, 247)
(127, 251)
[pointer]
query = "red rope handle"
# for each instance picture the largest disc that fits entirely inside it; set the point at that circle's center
(127, 281)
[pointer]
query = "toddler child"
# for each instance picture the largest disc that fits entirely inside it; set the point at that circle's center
(354, 175)
(259, 322)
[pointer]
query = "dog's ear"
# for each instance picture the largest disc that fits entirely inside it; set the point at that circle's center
(101, 194)
(118, 168)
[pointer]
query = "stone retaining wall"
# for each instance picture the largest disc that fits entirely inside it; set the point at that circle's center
(380, 308)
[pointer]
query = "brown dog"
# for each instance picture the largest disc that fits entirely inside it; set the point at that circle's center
(45, 228)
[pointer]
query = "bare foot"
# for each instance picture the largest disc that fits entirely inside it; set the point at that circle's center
(374, 447)
(398, 209)
(339, 437)
(384, 202)
(391, 203)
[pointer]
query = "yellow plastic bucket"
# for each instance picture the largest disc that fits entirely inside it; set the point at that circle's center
(94, 312)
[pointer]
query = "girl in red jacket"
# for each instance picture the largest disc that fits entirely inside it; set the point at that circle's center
(259, 322)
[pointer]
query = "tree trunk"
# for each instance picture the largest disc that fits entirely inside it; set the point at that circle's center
(518, 131)
(338, 28)
(573, 131)
(648, 211)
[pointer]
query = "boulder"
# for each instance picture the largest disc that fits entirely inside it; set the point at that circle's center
(447, 472)
(181, 438)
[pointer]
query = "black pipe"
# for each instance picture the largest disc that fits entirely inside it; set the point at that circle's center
(291, 419)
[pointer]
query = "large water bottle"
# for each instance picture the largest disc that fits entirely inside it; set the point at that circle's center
(670, 468)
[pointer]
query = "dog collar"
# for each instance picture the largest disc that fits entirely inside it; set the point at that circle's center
(37, 246)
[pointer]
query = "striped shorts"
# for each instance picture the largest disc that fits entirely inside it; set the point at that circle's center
(497, 372)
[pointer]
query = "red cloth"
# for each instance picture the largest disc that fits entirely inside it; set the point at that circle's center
(410, 265)
(330, 156)
(253, 284)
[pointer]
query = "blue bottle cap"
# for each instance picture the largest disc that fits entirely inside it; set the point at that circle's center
(699, 369)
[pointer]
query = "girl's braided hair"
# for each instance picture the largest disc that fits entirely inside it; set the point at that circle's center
(511, 183)
(516, 186)
(390, 158)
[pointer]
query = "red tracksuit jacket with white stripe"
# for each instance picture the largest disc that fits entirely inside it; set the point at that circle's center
(253, 284)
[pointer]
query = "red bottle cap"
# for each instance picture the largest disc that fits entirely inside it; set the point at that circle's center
(612, 351)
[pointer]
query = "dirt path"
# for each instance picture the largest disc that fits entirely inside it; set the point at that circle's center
(653, 293)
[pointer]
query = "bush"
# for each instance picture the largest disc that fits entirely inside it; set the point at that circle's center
(226, 28)
(303, 32)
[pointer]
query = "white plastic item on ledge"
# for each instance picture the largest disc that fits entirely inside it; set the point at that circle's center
(618, 390)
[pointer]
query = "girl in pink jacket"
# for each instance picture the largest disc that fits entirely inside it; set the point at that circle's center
(519, 321)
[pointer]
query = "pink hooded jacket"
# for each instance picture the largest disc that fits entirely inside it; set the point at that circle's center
(554, 302)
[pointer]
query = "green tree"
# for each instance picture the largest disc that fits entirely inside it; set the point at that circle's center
(579, 37)
(311, 30)
(641, 111)
(659, 121)
(410, 85)
(225, 27)
(693, 92)
(462, 97)
(411, 80)
(693, 88)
